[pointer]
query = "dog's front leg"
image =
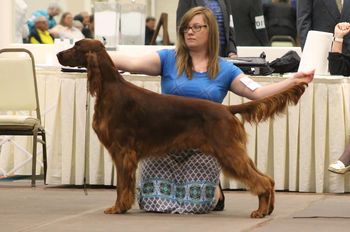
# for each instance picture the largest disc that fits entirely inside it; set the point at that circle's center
(126, 164)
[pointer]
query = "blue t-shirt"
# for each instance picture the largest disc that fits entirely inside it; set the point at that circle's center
(200, 86)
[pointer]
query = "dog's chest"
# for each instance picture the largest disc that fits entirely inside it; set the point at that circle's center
(101, 128)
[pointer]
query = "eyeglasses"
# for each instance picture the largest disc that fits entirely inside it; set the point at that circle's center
(194, 28)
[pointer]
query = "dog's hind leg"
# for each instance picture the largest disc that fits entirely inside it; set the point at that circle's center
(126, 164)
(272, 196)
(236, 163)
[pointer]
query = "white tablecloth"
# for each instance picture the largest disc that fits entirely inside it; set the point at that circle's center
(295, 149)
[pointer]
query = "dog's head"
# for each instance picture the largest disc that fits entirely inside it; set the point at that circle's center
(78, 55)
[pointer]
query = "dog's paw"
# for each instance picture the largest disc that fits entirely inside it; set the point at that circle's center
(257, 214)
(114, 210)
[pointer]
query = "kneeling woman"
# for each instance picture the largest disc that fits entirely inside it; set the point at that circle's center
(188, 181)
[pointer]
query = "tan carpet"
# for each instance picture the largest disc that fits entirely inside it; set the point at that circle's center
(335, 207)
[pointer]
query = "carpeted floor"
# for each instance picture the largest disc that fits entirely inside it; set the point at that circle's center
(327, 207)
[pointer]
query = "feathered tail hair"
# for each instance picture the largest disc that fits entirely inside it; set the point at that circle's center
(260, 110)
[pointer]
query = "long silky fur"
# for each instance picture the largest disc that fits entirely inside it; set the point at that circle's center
(93, 74)
(263, 109)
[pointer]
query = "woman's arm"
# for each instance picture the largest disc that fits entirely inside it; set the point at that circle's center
(339, 64)
(340, 30)
(239, 88)
(146, 63)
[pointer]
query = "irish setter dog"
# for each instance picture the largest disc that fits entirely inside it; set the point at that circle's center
(134, 123)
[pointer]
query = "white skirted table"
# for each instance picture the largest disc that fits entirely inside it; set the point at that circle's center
(295, 149)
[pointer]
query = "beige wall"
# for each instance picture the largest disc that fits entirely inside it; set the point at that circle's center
(77, 6)
(73, 6)
(6, 23)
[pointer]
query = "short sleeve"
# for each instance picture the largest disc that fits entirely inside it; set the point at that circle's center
(162, 55)
(236, 71)
(167, 57)
(228, 73)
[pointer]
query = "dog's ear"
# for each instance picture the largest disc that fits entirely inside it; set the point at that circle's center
(93, 73)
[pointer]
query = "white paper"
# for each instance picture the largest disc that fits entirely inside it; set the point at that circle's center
(106, 23)
(315, 52)
(251, 84)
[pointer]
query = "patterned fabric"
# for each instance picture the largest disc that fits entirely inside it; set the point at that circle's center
(184, 181)
(180, 182)
(214, 6)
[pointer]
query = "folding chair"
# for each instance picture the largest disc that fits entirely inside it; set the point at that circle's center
(18, 93)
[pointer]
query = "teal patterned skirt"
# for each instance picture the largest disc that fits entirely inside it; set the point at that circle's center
(180, 182)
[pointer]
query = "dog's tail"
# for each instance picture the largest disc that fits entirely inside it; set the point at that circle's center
(262, 109)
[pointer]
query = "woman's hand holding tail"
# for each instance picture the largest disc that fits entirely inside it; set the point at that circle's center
(304, 76)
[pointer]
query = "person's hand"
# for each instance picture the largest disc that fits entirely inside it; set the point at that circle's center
(232, 55)
(306, 76)
(341, 29)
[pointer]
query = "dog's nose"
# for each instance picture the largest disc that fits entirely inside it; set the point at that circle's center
(59, 56)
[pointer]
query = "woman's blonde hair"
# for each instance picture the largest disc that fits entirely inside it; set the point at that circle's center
(183, 58)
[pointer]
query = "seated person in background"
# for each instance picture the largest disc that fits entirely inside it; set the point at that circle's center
(149, 31)
(86, 18)
(280, 19)
(339, 64)
(77, 24)
(85, 24)
(66, 30)
(79, 18)
(40, 33)
(53, 10)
